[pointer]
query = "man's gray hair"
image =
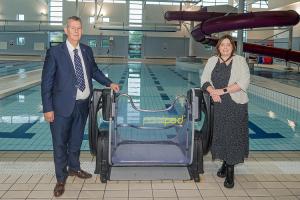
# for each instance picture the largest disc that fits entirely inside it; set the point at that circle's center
(75, 18)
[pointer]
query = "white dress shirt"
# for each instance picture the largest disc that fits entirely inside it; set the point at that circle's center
(81, 95)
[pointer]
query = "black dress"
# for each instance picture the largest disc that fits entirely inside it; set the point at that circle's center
(230, 134)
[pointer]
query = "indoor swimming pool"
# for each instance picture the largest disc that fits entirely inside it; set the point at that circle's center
(17, 67)
(283, 76)
(272, 126)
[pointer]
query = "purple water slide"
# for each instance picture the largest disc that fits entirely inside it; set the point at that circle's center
(245, 20)
(231, 22)
(191, 15)
(286, 54)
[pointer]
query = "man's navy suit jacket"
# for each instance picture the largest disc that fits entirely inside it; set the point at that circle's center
(59, 81)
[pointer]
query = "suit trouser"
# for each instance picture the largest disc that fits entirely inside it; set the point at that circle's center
(67, 136)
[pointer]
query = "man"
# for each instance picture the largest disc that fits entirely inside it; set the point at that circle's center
(66, 90)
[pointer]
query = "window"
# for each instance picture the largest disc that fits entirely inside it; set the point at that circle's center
(260, 4)
(93, 43)
(92, 20)
(214, 2)
(135, 13)
(20, 41)
(235, 33)
(56, 37)
(105, 43)
(20, 17)
(105, 19)
(56, 14)
(105, 1)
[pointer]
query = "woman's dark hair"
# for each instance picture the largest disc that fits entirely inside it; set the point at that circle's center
(230, 38)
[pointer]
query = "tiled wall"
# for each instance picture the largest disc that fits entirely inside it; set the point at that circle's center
(274, 96)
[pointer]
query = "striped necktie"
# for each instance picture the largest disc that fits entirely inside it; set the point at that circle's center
(79, 71)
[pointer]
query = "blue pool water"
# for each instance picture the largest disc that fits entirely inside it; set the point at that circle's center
(18, 67)
(286, 77)
(22, 126)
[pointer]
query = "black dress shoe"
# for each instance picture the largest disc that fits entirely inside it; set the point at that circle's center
(222, 171)
(59, 189)
(229, 180)
(80, 174)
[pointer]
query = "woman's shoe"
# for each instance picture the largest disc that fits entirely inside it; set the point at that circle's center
(222, 171)
(229, 180)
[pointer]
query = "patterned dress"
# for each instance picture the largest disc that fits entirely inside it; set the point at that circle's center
(230, 134)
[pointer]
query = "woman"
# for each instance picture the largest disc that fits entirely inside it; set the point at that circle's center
(226, 77)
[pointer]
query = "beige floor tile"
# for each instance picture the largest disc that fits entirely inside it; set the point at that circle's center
(138, 198)
(25, 159)
(280, 192)
(12, 179)
(93, 186)
(188, 193)
(295, 191)
(45, 186)
(185, 186)
(1, 193)
(46, 155)
(272, 185)
(212, 193)
(92, 180)
(239, 198)
(285, 177)
(262, 198)
(116, 194)
(88, 194)
(73, 186)
(78, 180)
(7, 159)
(251, 178)
(46, 178)
(286, 198)
(23, 179)
(234, 192)
(291, 184)
(190, 198)
(15, 194)
(5, 186)
(69, 195)
(257, 192)
(140, 186)
(41, 194)
(140, 193)
(93, 198)
(116, 186)
(12, 154)
(166, 198)
(70, 179)
(252, 185)
(258, 155)
(3, 177)
(162, 186)
(240, 178)
(30, 155)
(265, 177)
(22, 186)
(207, 179)
(207, 185)
(35, 179)
(41, 159)
(214, 198)
(164, 193)
(115, 198)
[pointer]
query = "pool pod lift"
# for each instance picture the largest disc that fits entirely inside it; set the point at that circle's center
(117, 142)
